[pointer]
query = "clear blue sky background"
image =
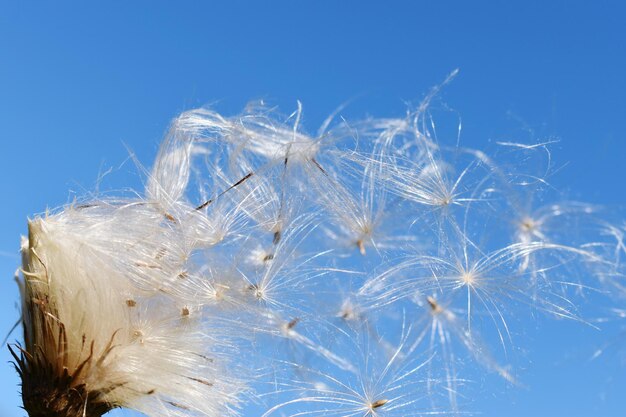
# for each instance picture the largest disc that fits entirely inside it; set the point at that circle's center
(79, 83)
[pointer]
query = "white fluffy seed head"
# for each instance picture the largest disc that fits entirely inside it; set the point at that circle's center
(103, 305)
(112, 316)
(157, 303)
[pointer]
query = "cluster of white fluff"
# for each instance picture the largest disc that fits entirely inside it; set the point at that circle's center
(354, 272)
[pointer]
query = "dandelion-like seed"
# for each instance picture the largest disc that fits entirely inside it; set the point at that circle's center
(229, 275)
(386, 383)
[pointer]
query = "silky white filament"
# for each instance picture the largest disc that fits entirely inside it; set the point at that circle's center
(268, 271)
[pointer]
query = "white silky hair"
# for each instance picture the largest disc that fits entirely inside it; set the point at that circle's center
(101, 269)
(159, 303)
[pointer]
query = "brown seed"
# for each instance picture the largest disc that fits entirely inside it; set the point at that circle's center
(378, 404)
(146, 265)
(202, 381)
(277, 236)
(361, 246)
(203, 205)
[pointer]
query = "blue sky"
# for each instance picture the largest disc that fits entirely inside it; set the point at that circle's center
(81, 84)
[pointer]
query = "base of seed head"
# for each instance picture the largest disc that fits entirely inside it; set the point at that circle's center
(47, 394)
